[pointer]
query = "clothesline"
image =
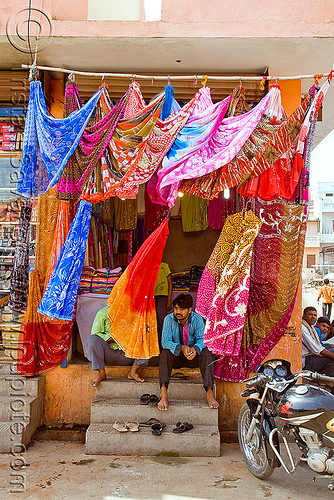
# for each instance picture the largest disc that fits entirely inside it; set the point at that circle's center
(173, 77)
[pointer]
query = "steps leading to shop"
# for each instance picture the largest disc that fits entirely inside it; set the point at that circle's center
(21, 406)
(119, 400)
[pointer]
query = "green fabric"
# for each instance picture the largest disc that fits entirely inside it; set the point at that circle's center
(101, 326)
(194, 213)
(161, 286)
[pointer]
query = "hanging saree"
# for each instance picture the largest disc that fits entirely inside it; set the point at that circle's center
(132, 316)
(154, 213)
(45, 344)
(91, 147)
(274, 278)
(19, 283)
(48, 142)
(282, 175)
(136, 152)
(194, 214)
(60, 295)
(220, 208)
(226, 315)
(217, 147)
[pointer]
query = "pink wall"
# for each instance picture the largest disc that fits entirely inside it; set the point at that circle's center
(195, 18)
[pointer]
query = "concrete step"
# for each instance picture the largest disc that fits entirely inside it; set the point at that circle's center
(12, 384)
(18, 408)
(106, 411)
(201, 441)
(15, 434)
(124, 388)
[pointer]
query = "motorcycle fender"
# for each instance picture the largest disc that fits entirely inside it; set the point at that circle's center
(268, 426)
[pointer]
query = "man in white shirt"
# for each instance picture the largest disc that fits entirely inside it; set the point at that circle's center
(314, 356)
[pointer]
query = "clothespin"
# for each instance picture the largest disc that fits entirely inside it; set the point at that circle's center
(203, 82)
(263, 82)
(32, 72)
(317, 77)
(195, 80)
(152, 81)
(71, 77)
(168, 80)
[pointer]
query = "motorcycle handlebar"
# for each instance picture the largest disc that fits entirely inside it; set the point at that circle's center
(317, 376)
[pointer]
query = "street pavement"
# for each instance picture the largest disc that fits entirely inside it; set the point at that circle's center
(61, 471)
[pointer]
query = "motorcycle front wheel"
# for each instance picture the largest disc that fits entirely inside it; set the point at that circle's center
(254, 452)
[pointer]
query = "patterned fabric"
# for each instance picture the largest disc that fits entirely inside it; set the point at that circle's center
(18, 296)
(125, 214)
(61, 232)
(251, 161)
(283, 173)
(154, 212)
(137, 147)
(132, 316)
(226, 314)
(45, 344)
(61, 292)
(48, 142)
(238, 105)
(194, 213)
(208, 151)
(273, 286)
(92, 145)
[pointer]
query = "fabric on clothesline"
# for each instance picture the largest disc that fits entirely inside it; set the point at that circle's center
(273, 286)
(19, 282)
(154, 213)
(48, 142)
(250, 162)
(227, 312)
(61, 292)
(215, 149)
(132, 316)
(91, 147)
(136, 151)
(238, 105)
(283, 174)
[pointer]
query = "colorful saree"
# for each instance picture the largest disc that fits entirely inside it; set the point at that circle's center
(48, 142)
(226, 314)
(213, 147)
(274, 278)
(60, 295)
(132, 316)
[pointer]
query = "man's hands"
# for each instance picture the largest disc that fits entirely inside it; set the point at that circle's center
(189, 352)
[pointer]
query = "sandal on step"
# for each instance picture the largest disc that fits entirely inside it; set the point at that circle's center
(149, 422)
(120, 427)
(145, 399)
(157, 428)
(180, 376)
(132, 426)
(182, 427)
(154, 400)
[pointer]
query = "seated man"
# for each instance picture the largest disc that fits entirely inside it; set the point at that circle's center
(322, 328)
(182, 342)
(314, 355)
(103, 350)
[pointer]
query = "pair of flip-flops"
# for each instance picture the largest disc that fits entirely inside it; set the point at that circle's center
(182, 427)
(149, 399)
(155, 424)
(126, 426)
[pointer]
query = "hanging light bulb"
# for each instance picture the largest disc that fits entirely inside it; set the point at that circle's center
(226, 193)
(180, 194)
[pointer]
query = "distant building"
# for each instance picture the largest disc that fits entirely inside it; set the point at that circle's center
(312, 246)
(325, 210)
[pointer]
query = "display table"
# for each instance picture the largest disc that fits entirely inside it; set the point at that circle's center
(87, 306)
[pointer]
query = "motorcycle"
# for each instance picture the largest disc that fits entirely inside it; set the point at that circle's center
(304, 411)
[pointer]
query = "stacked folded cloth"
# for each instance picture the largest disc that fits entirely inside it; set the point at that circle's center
(195, 277)
(181, 281)
(98, 280)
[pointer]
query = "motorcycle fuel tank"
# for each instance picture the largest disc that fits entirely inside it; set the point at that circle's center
(310, 407)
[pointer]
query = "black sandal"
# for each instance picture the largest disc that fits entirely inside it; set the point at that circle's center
(157, 428)
(182, 427)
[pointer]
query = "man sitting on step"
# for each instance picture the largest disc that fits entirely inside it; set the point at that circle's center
(103, 350)
(182, 342)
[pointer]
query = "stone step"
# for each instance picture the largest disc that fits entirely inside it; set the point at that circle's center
(16, 408)
(15, 434)
(119, 388)
(12, 384)
(106, 411)
(201, 441)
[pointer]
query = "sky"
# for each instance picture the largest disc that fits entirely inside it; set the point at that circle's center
(322, 162)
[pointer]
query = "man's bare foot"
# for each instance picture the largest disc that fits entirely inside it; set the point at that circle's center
(212, 402)
(101, 375)
(134, 375)
(163, 403)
